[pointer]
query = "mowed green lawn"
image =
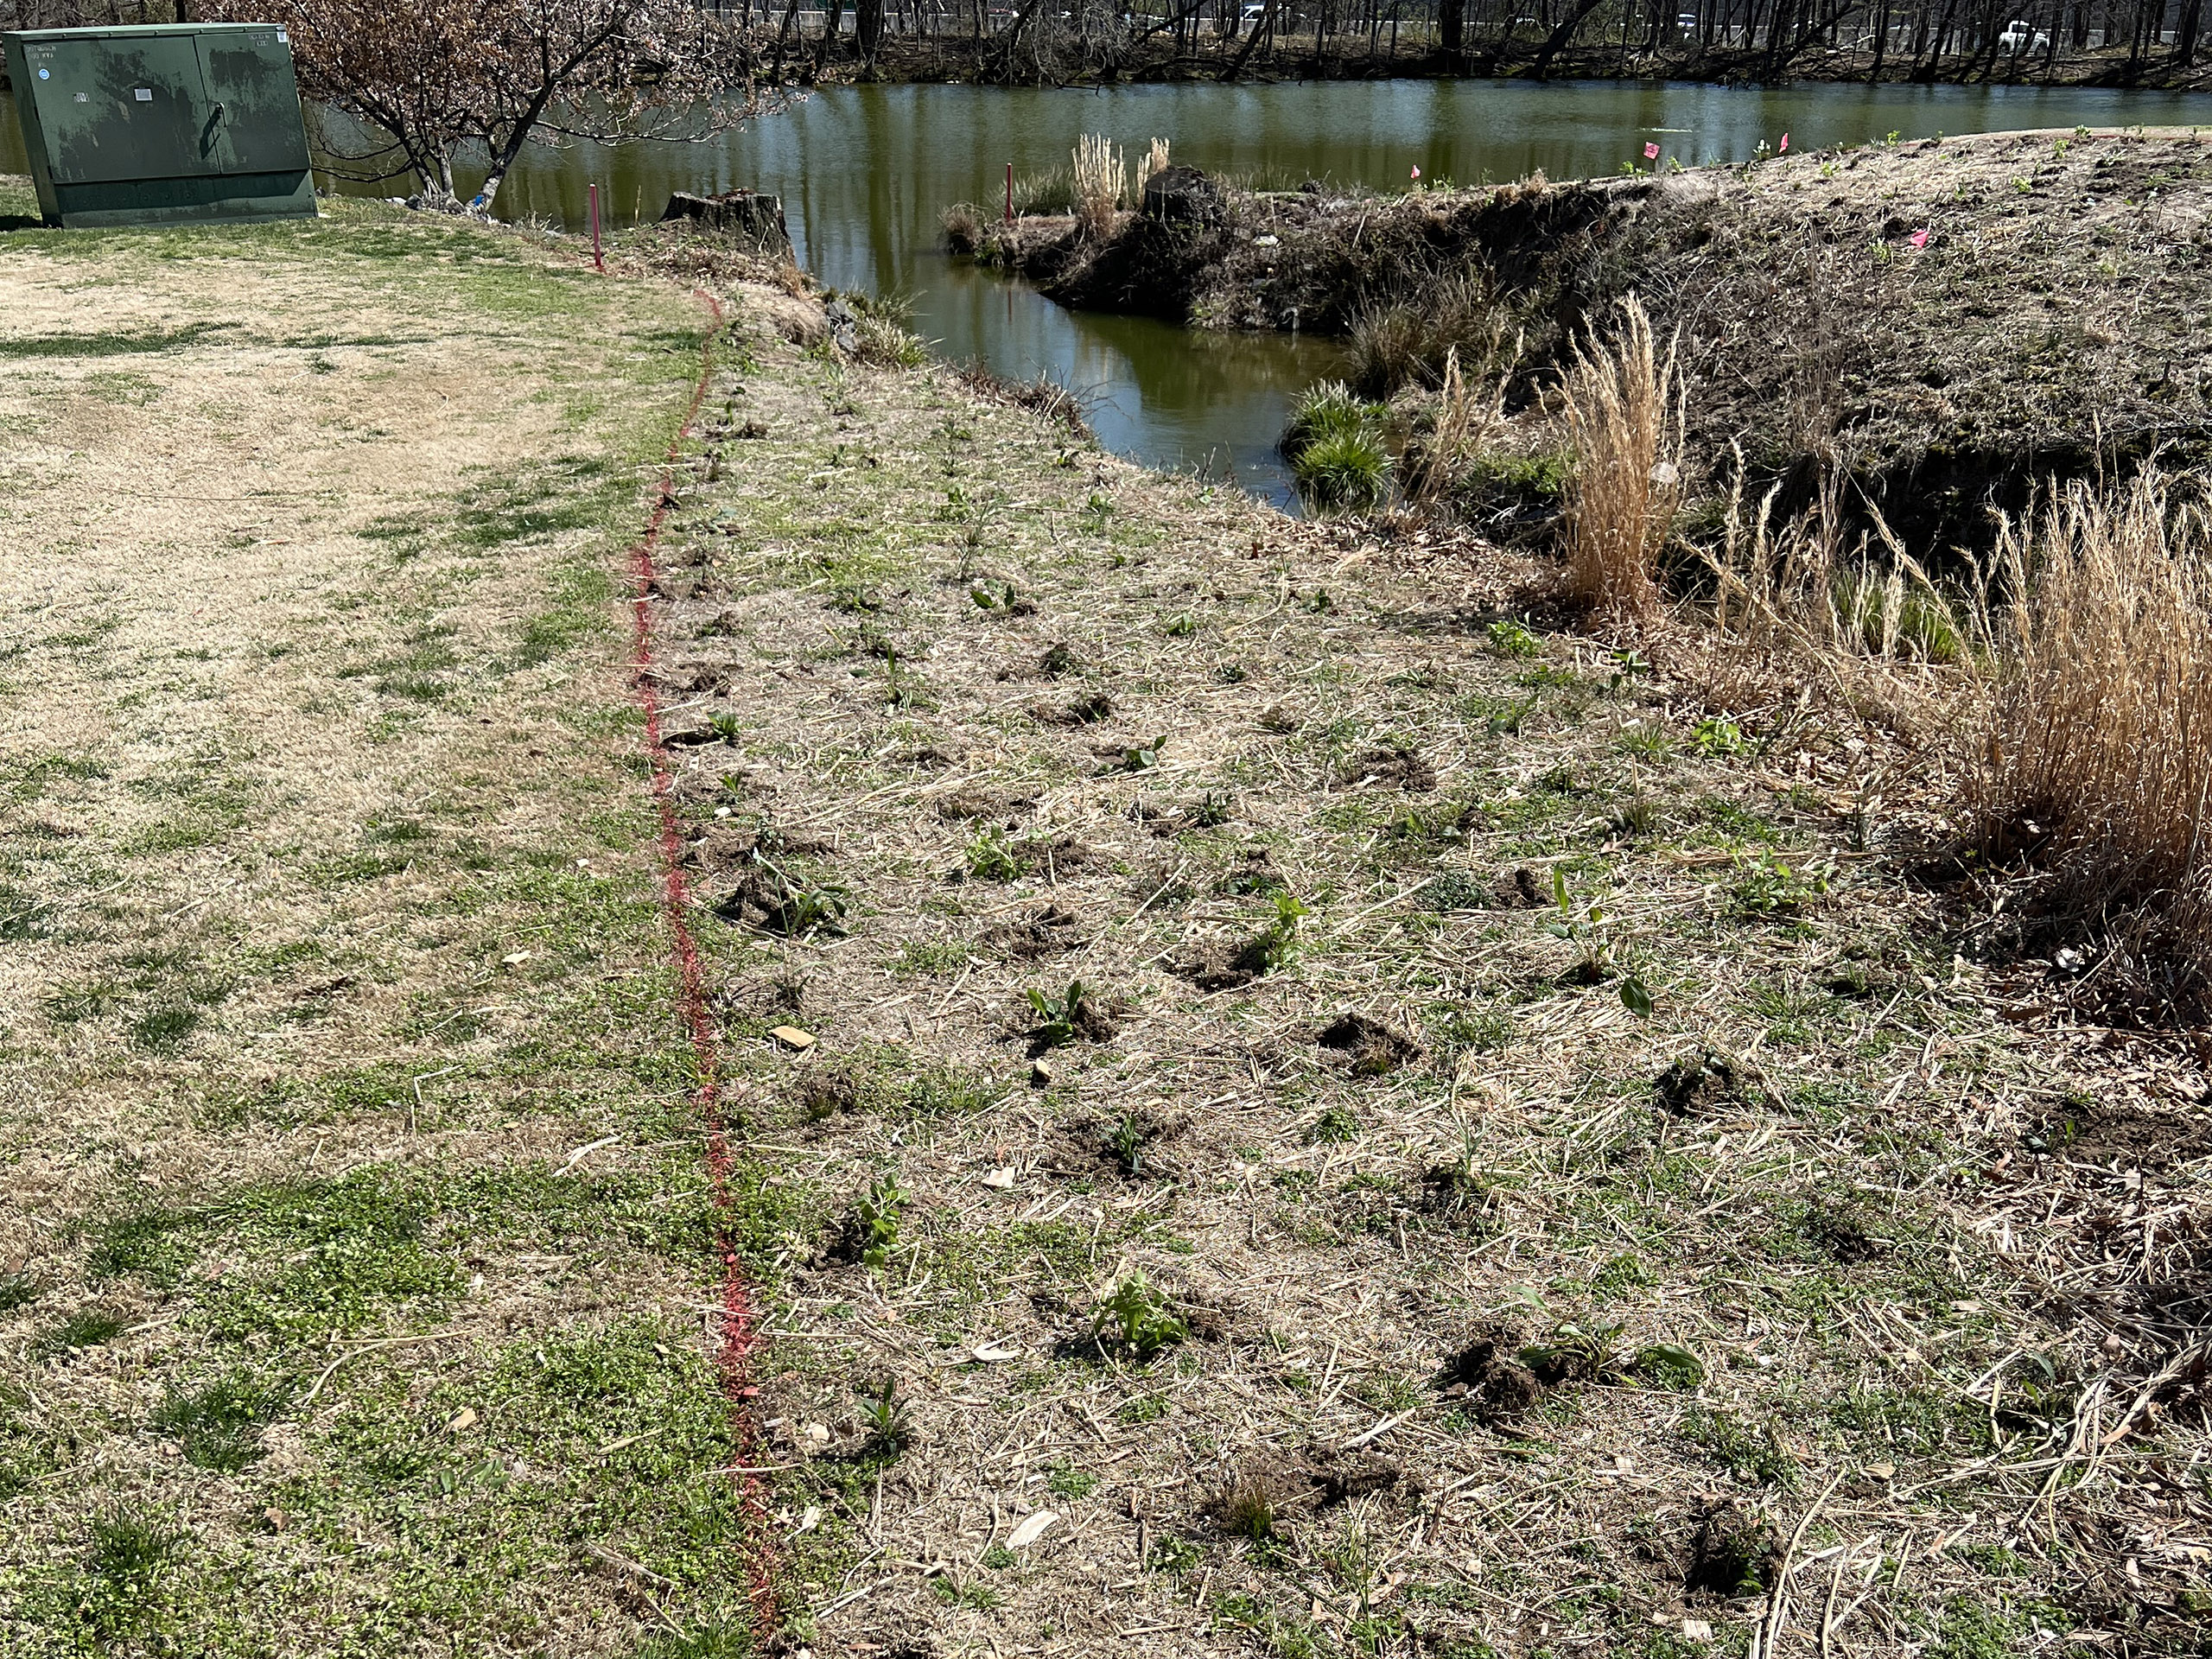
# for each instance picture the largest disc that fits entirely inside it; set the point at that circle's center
(354, 1284)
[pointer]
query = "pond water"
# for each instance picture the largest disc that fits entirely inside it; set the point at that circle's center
(865, 173)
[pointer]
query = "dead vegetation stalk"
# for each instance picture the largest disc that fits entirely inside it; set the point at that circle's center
(2099, 752)
(1624, 411)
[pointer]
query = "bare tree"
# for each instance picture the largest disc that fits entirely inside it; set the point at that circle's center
(432, 78)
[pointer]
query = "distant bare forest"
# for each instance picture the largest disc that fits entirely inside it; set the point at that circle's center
(2106, 42)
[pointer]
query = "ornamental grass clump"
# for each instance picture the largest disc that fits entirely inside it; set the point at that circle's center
(1335, 445)
(1624, 411)
(2097, 761)
(1099, 182)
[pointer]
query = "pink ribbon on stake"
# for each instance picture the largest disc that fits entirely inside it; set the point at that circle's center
(1651, 152)
(1416, 172)
(1918, 238)
(1784, 150)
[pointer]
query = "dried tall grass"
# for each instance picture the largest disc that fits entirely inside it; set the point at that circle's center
(2098, 751)
(1624, 409)
(1462, 419)
(1100, 182)
(1156, 162)
(1405, 342)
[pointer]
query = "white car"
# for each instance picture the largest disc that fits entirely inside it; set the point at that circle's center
(2018, 37)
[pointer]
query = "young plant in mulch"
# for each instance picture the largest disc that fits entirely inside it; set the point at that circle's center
(1766, 887)
(1136, 756)
(990, 857)
(770, 899)
(871, 1232)
(1137, 1319)
(1002, 598)
(1077, 1014)
(1590, 931)
(1219, 967)
(890, 1426)
(1128, 1140)
(1498, 1373)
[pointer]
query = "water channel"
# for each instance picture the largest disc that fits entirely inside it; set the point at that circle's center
(865, 173)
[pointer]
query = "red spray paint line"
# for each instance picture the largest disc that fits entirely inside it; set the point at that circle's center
(740, 1321)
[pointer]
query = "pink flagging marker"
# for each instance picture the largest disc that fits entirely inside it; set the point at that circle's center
(1918, 238)
(1651, 152)
(1416, 172)
(1784, 150)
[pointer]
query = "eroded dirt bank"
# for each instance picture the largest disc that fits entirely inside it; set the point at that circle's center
(1945, 321)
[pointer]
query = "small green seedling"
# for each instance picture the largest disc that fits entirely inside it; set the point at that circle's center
(875, 1220)
(1764, 885)
(1144, 757)
(1278, 942)
(1669, 1365)
(884, 1411)
(990, 859)
(729, 727)
(1509, 639)
(1139, 1317)
(1127, 1141)
(1060, 1018)
(1585, 926)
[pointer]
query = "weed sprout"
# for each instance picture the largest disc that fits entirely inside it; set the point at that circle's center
(1138, 1317)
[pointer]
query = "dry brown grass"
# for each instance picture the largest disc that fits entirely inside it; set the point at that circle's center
(1623, 409)
(2099, 748)
(1171, 702)
(1100, 182)
(1464, 418)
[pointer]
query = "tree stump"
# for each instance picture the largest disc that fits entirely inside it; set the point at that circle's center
(751, 217)
(1183, 196)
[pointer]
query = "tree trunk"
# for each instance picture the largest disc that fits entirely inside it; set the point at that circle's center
(867, 27)
(1450, 26)
(2185, 32)
(1554, 43)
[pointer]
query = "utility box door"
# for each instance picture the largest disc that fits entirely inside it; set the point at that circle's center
(125, 109)
(248, 74)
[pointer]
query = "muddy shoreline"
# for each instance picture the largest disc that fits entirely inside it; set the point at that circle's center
(1941, 323)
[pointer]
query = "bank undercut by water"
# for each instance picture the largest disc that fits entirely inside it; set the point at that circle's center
(1943, 322)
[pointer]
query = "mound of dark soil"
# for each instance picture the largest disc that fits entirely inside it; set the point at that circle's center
(1521, 888)
(1487, 1374)
(1373, 1047)
(1699, 1084)
(1043, 933)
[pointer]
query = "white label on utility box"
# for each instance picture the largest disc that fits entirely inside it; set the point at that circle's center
(143, 94)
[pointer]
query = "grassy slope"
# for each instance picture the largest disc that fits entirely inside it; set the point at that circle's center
(1894, 1191)
(329, 937)
(1876, 1229)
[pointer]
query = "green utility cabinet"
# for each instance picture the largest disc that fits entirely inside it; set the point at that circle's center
(148, 126)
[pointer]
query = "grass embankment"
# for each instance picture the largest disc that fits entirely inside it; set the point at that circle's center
(1248, 1205)
(1942, 323)
(354, 1247)
(1312, 1115)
